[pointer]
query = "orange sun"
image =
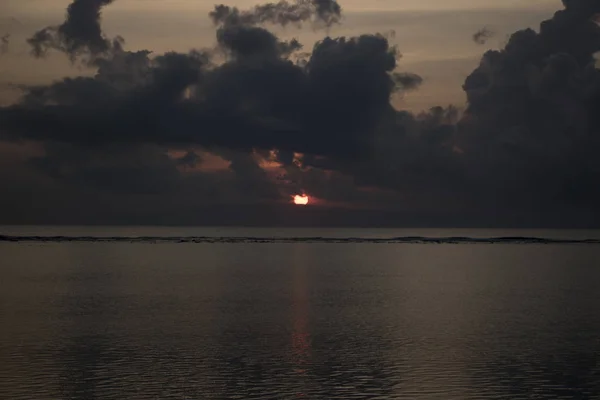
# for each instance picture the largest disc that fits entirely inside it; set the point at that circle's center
(301, 200)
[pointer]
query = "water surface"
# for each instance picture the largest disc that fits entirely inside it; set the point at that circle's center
(120, 320)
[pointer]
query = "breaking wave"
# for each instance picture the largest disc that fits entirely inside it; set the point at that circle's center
(317, 239)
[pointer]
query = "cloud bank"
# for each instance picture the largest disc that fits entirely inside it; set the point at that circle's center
(285, 120)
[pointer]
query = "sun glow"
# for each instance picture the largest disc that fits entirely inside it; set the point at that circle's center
(301, 200)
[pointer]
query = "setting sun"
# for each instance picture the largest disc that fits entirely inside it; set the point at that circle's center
(301, 200)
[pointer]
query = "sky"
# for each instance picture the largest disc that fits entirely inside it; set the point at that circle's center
(428, 113)
(433, 36)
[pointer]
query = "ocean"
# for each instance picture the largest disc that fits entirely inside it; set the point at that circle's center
(249, 313)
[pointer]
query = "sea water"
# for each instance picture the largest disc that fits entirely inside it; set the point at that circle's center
(190, 313)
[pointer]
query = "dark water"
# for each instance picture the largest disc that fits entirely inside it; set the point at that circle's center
(168, 320)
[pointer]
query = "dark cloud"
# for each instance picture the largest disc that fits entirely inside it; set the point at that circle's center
(4, 43)
(331, 105)
(249, 41)
(190, 159)
(257, 99)
(249, 177)
(526, 144)
(239, 34)
(326, 12)
(532, 122)
(483, 35)
(80, 34)
(145, 169)
(407, 80)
